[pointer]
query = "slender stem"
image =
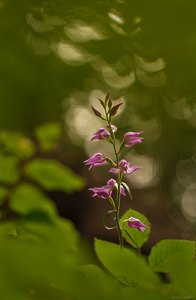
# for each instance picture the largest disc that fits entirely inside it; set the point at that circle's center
(118, 198)
(120, 237)
(119, 180)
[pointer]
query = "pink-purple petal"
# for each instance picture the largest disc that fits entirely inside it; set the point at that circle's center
(100, 134)
(95, 160)
(132, 138)
(136, 223)
(114, 170)
(124, 167)
(132, 169)
(101, 192)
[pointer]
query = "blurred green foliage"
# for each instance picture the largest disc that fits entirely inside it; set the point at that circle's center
(47, 260)
(43, 257)
(26, 175)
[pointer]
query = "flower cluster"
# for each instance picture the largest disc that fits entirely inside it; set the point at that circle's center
(119, 167)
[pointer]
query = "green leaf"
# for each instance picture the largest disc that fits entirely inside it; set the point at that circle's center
(107, 97)
(96, 284)
(102, 103)
(135, 237)
(35, 269)
(182, 275)
(162, 253)
(127, 189)
(17, 144)
(3, 192)
(24, 245)
(48, 135)
(138, 292)
(27, 199)
(109, 103)
(9, 169)
(130, 268)
(52, 175)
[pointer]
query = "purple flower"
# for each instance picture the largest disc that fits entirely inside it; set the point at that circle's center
(136, 223)
(101, 192)
(124, 167)
(95, 160)
(100, 134)
(106, 190)
(112, 183)
(132, 138)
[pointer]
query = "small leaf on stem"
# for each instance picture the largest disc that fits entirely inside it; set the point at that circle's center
(107, 97)
(127, 189)
(110, 161)
(102, 103)
(114, 109)
(96, 112)
(110, 103)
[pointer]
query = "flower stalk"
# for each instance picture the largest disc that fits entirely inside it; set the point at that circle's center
(119, 166)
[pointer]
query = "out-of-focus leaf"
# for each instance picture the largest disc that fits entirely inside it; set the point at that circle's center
(17, 144)
(3, 193)
(130, 268)
(139, 292)
(96, 284)
(39, 259)
(9, 172)
(182, 275)
(48, 135)
(161, 254)
(60, 235)
(27, 199)
(135, 237)
(52, 175)
(36, 269)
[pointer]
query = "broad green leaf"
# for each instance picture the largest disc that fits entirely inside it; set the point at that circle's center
(9, 172)
(33, 267)
(59, 235)
(182, 275)
(27, 199)
(48, 135)
(130, 268)
(135, 237)
(39, 257)
(96, 284)
(161, 254)
(3, 192)
(138, 292)
(17, 144)
(52, 175)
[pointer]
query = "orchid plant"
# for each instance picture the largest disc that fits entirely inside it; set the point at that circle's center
(115, 188)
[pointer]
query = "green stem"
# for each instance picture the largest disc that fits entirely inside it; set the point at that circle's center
(120, 237)
(119, 180)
